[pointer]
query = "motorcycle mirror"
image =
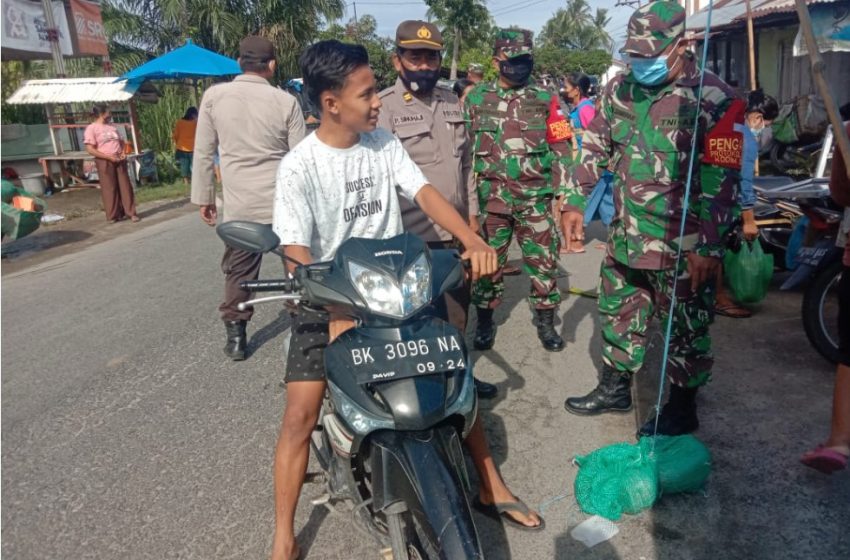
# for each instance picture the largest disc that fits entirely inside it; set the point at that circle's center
(248, 236)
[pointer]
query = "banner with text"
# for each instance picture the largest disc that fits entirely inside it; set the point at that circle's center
(91, 37)
(25, 27)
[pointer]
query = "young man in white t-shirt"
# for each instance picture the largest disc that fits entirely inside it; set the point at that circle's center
(340, 182)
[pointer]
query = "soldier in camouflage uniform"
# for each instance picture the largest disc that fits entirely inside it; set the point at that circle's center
(518, 167)
(644, 131)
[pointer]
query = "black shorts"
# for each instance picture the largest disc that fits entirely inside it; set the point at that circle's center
(306, 359)
(844, 318)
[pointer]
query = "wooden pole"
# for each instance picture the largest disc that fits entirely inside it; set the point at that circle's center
(842, 141)
(751, 41)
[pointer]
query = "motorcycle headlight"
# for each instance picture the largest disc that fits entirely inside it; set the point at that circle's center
(387, 296)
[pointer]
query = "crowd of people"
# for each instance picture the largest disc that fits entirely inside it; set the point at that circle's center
(472, 169)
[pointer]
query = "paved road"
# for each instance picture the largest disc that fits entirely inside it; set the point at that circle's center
(127, 434)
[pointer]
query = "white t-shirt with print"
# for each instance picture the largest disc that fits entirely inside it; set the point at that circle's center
(325, 195)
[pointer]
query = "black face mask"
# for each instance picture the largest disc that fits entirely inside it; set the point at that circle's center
(517, 70)
(420, 81)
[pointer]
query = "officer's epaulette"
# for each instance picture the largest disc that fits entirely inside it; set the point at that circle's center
(384, 93)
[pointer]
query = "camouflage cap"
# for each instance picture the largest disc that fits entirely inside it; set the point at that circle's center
(416, 34)
(514, 42)
(475, 68)
(654, 27)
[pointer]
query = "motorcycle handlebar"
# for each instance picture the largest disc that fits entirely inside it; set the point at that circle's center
(286, 285)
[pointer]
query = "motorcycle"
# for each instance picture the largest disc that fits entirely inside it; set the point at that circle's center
(400, 395)
(807, 245)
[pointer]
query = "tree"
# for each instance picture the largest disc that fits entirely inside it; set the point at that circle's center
(462, 20)
(364, 32)
(574, 27)
(141, 28)
(557, 61)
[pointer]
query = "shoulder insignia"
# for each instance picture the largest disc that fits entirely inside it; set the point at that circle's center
(407, 96)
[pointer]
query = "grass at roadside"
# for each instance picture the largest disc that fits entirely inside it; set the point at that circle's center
(166, 191)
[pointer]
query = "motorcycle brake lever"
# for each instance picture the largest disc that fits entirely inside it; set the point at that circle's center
(242, 306)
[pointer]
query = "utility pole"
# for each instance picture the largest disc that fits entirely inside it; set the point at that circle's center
(354, 6)
(53, 38)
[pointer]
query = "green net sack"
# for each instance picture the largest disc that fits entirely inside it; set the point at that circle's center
(629, 478)
(683, 463)
(748, 272)
(616, 479)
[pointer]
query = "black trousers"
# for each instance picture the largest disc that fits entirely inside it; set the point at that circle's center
(238, 266)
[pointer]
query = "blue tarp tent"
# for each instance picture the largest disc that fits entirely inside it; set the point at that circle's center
(188, 61)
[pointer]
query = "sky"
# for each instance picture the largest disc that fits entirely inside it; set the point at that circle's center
(528, 14)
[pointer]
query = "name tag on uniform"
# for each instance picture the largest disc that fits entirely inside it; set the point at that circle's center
(452, 114)
(406, 119)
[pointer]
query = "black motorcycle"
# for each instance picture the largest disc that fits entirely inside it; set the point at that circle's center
(400, 393)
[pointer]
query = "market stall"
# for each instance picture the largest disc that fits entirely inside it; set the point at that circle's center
(67, 103)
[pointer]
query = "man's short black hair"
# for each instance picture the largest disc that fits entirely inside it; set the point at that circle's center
(254, 66)
(759, 102)
(327, 64)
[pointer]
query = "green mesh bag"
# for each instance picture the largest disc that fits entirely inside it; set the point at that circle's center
(628, 478)
(616, 479)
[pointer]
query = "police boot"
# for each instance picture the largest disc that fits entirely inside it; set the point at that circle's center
(613, 394)
(485, 329)
(546, 332)
(236, 340)
(678, 417)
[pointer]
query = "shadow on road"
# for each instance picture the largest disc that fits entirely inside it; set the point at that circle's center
(269, 332)
(23, 247)
(307, 535)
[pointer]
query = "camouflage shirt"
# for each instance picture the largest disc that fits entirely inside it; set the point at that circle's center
(644, 134)
(513, 163)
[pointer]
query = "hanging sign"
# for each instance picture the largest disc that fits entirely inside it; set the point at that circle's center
(25, 27)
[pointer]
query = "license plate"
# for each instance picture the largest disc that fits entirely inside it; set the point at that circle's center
(407, 358)
(812, 256)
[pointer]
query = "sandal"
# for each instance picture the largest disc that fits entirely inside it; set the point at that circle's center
(824, 459)
(500, 511)
(733, 311)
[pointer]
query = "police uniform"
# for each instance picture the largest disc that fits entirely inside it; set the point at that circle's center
(432, 129)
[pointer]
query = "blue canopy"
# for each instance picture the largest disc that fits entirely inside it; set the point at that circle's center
(188, 61)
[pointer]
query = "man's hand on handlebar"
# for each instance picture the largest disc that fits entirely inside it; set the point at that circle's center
(482, 258)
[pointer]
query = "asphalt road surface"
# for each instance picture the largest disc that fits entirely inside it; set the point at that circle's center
(127, 434)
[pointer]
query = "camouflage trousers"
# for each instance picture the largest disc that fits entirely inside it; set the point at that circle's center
(535, 232)
(628, 300)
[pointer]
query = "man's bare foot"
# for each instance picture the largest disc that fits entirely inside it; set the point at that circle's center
(530, 520)
(286, 551)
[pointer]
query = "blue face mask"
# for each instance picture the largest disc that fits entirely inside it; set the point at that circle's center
(650, 71)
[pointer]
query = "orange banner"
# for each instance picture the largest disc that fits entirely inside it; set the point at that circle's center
(91, 37)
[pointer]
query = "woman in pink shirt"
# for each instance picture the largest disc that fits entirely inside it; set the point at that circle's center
(106, 145)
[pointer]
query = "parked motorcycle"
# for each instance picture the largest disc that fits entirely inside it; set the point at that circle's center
(400, 393)
(802, 226)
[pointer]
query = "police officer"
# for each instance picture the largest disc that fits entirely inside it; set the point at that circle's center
(429, 122)
(520, 159)
(643, 131)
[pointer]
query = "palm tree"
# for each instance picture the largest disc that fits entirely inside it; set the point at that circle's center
(139, 28)
(460, 18)
(574, 27)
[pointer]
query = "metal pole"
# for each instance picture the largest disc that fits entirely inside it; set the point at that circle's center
(823, 87)
(53, 37)
(751, 41)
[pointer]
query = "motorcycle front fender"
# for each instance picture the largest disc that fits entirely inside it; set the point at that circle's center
(425, 471)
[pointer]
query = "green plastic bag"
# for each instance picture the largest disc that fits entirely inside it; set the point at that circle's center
(748, 272)
(683, 462)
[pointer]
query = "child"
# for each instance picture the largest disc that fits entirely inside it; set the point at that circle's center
(340, 182)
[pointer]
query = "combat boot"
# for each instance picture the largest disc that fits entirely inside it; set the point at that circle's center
(546, 332)
(485, 329)
(613, 394)
(236, 340)
(678, 417)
